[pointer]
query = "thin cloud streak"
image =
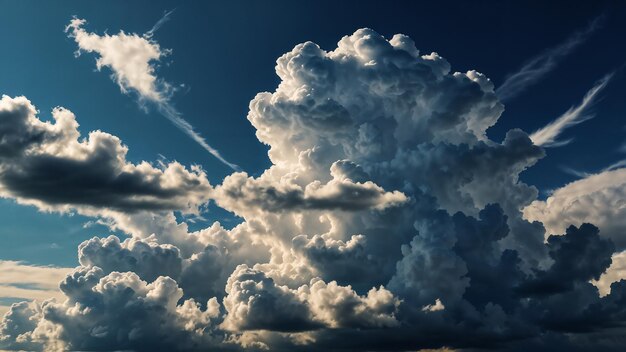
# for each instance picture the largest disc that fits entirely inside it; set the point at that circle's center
(617, 165)
(574, 172)
(170, 113)
(540, 65)
(159, 24)
(584, 174)
(547, 135)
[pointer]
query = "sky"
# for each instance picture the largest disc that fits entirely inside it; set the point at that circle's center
(238, 164)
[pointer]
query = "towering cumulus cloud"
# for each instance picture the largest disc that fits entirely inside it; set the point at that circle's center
(388, 220)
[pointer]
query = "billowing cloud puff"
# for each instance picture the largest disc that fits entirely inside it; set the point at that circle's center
(118, 309)
(367, 99)
(339, 306)
(18, 324)
(388, 220)
(202, 275)
(255, 302)
(48, 164)
(147, 259)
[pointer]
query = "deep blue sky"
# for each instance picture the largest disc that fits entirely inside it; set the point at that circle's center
(225, 52)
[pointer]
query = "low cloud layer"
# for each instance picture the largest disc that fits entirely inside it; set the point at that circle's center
(388, 220)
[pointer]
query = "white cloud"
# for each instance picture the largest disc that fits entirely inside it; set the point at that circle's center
(146, 258)
(132, 60)
(435, 307)
(255, 302)
(547, 135)
(340, 306)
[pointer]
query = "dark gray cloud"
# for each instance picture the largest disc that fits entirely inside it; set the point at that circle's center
(579, 256)
(49, 165)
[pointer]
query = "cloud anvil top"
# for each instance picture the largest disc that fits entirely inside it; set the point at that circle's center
(388, 217)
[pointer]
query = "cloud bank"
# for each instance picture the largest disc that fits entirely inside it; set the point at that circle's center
(388, 220)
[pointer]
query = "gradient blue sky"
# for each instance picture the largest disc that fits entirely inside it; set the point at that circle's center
(224, 53)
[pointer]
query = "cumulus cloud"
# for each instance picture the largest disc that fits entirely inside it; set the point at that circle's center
(388, 220)
(537, 67)
(146, 258)
(255, 302)
(132, 59)
(340, 306)
(202, 274)
(240, 193)
(122, 310)
(49, 165)
(547, 135)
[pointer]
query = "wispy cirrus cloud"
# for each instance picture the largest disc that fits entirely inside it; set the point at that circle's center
(547, 135)
(132, 58)
(537, 67)
(583, 174)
